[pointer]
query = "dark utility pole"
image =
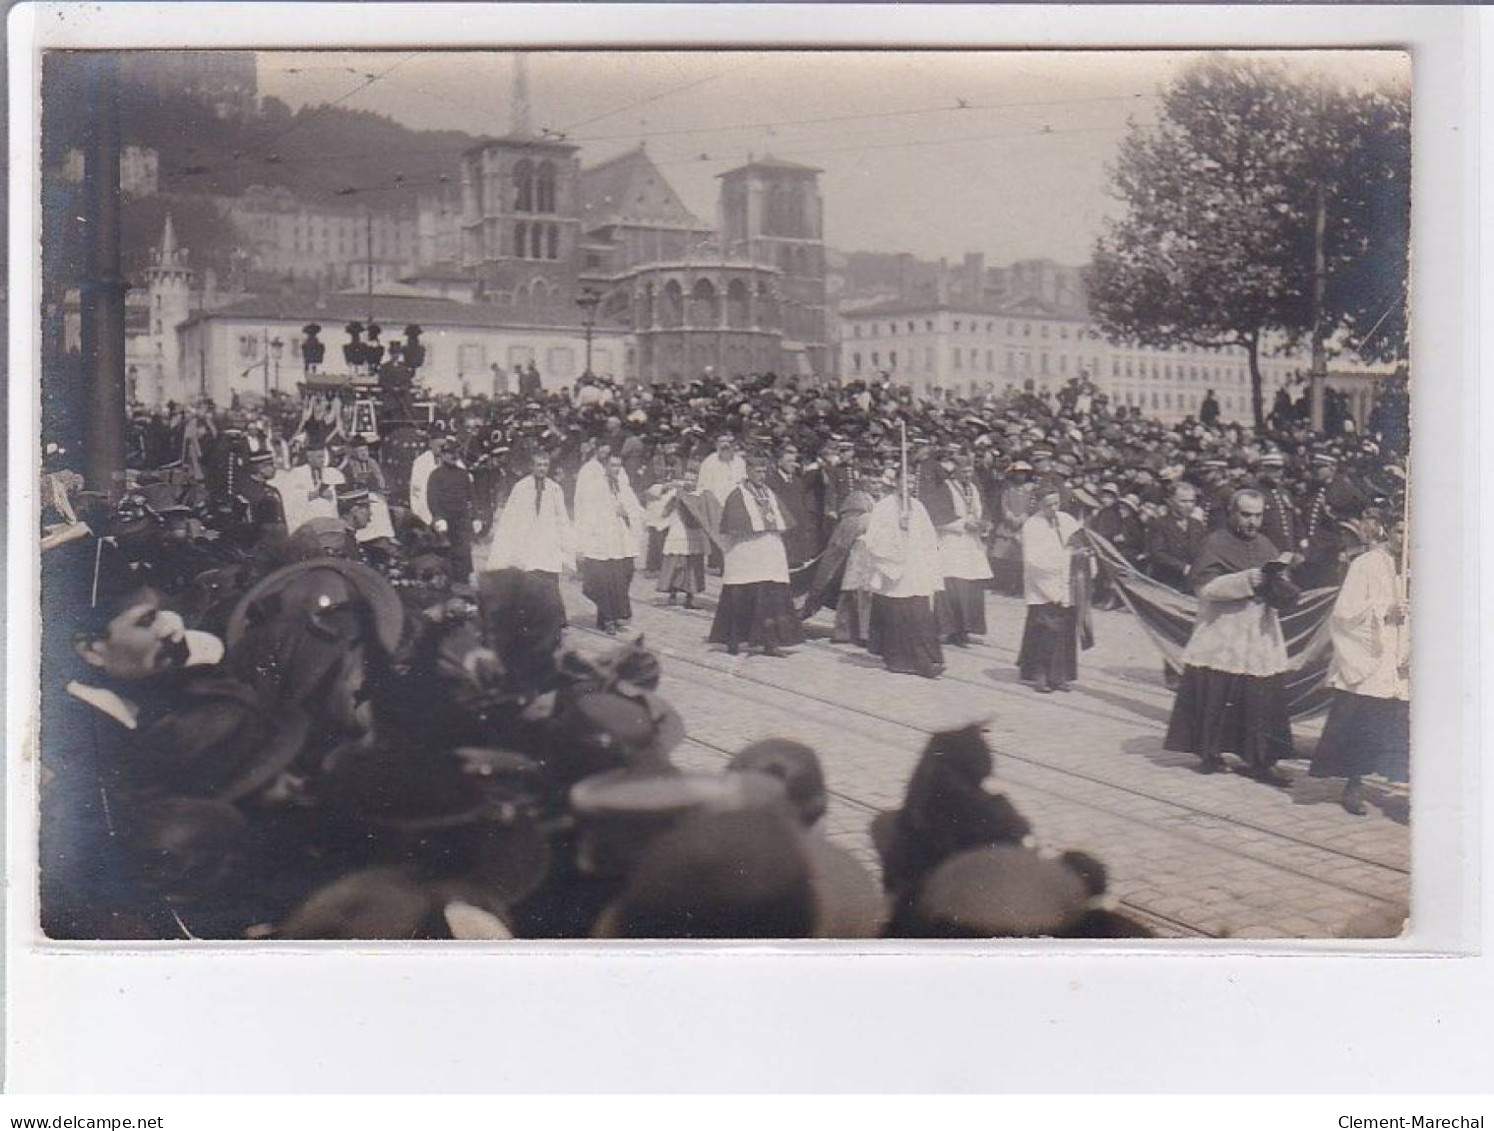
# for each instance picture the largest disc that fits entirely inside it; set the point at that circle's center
(102, 288)
(1319, 374)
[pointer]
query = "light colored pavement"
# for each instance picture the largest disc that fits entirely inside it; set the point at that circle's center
(1218, 856)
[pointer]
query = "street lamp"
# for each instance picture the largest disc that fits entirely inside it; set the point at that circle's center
(276, 348)
(588, 300)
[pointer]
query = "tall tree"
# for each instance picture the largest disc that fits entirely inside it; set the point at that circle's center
(1365, 161)
(1215, 248)
(1205, 254)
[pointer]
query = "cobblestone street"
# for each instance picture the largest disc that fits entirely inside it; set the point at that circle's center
(1193, 856)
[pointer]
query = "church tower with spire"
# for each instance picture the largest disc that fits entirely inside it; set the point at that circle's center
(153, 356)
(521, 200)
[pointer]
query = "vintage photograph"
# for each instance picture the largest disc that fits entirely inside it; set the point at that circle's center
(648, 495)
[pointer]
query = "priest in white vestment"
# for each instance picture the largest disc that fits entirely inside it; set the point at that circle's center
(755, 607)
(1049, 656)
(532, 533)
(1369, 723)
(609, 523)
(906, 579)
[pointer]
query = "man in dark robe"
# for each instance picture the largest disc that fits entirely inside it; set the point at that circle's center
(450, 498)
(1232, 697)
(1174, 539)
(789, 484)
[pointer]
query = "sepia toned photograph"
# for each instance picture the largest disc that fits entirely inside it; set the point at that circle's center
(758, 495)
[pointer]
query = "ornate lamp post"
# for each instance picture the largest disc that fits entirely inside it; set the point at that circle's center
(588, 300)
(276, 348)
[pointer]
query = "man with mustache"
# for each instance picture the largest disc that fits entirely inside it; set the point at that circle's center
(134, 658)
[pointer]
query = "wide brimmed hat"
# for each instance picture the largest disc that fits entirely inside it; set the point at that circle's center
(1000, 891)
(619, 812)
(314, 587)
(222, 743)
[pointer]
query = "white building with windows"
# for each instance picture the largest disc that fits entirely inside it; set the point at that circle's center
(253, 347)
(969, 349)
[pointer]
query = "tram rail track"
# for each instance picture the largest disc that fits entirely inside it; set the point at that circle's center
(738, 676)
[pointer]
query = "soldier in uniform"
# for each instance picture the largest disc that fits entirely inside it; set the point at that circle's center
(260, 508)
(1281, 520)
(1331, 534)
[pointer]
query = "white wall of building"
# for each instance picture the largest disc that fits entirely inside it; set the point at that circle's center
(458, 358)
(973, 352)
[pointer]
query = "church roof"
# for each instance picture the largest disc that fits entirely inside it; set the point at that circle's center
(771, 164)
(629, 189)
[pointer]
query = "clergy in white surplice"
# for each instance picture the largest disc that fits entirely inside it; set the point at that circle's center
(532, 533)
(954, 506)
(755, 607)
(906, 579)
(609, 525)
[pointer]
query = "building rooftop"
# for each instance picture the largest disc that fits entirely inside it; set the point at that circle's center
(395, 310)
(769, 162)
(1024, 306)
(629, 189)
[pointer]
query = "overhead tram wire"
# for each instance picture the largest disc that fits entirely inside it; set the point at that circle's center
(958, 108)
(353, 155)
(266, 151)
(1039, 132)
(565, 130)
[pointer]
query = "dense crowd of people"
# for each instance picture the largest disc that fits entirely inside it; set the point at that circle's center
(307, 681)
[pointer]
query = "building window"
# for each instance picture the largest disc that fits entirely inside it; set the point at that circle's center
(892, 359)
(520, 355)
(544, 194)
(929, 325)
(536, 241)
(911, 326)
(561, 361)
(521, 239)
(524, 186)
(874, 329)
(552, 242)
(1027, 329)
(990, 361)
(1155, 403)
(1010, 363)
(989, 327)
(892, 329)
(1043, 330)
(856, 362)
(1063, 332)
(957, 325)
(471, 358)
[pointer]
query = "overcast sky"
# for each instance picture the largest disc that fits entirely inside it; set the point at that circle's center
(1019, 172)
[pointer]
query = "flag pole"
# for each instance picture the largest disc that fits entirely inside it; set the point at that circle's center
(903, 435)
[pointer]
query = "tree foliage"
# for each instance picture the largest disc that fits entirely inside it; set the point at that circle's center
(1215, 248)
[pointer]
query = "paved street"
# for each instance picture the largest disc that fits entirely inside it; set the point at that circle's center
(1190, 855)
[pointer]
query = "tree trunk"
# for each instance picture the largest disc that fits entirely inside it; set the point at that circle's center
(1257, 405)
